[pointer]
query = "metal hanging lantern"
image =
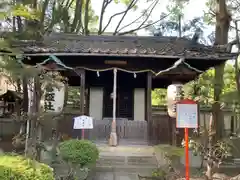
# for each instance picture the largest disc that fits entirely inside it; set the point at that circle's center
(174, 94)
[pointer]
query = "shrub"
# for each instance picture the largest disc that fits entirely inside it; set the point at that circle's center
(171, 153)
(79, 152)
(159, 173)
(13, 167)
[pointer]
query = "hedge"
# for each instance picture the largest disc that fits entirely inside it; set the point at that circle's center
(83, 153)
(13, 167)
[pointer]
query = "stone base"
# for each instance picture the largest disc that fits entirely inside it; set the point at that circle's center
(113, 139)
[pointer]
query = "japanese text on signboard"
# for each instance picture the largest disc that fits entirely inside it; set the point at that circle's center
(83, 122)
(187, 116)
(49, 99)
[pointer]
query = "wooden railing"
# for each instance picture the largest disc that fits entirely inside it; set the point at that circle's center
(126, 130)
(8, 128)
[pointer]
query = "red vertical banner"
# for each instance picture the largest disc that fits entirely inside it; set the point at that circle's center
(187, 117)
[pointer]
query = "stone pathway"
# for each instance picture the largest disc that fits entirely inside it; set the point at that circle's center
(124, 162)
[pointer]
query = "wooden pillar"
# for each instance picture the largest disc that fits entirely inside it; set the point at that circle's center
(149, 106)
(87, 101)
(113, 136)
(174, 131)
(82, 91)
(82, 97)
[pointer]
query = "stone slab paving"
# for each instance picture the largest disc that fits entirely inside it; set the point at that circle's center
(116, 176)
(127, 150)
(124, 162)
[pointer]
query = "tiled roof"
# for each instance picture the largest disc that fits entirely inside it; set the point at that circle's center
(122, 45)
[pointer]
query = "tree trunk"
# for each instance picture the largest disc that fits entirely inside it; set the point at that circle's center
(42, 15)
(217, 124)
(86, 18)
(216, 108)
(237, 73)
(35, 124)
(77, 15)
(209, 171)
(223, 19)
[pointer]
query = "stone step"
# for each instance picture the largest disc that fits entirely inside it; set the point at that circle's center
(113, 160)
(128, 169)
(110, 173)
(115, 176)
(127, 161)
(142, 160)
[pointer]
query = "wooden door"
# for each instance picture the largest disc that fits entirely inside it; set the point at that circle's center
(124, 104)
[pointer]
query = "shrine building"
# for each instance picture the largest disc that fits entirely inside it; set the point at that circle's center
(142, 64)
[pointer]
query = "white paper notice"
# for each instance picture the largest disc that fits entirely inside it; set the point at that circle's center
(187, 116)
(83, 122)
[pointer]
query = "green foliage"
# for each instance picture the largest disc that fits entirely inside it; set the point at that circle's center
(176, 8)
(201, 89)
(20, 168)
(219, 151)
(159, 97)
(171, 153)
(81, 153)
(3, 7)
(73, 97)
(25, 12)
(4, 44)
(159, 173)
(20, 10)
(126, 2)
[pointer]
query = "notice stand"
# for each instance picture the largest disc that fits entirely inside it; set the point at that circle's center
(83, 122)
(187, 117)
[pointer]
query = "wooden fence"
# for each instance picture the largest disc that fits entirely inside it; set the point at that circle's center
(231, 123)
(159, 131)
(8, 129)
(126, 130)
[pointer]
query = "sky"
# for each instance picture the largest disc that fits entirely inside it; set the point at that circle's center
(195, 8)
